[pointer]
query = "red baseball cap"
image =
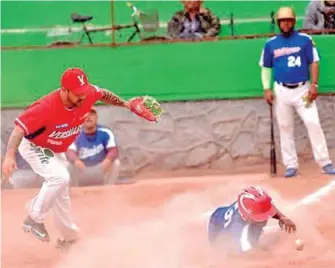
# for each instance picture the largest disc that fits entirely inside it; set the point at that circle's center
(75, 80)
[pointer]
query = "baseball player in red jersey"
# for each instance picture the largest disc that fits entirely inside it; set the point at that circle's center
(42, 134)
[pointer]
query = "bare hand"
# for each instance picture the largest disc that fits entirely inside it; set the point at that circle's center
(268, 96)
(312, 93)
(287, 224)
(79, 164)
(106, 165)
(8, 167)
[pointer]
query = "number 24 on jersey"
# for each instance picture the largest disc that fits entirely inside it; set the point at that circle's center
(293, 61)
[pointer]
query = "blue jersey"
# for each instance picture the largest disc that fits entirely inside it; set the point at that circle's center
(289, 57)
(92, 149)
(226, 223)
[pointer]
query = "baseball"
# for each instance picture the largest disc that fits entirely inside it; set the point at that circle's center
(299, 244)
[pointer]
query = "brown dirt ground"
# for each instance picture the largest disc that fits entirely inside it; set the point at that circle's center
(158, 223)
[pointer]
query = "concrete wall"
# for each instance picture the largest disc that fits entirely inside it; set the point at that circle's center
(208, 134)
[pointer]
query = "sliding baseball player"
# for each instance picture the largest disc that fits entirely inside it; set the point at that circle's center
(239, 226)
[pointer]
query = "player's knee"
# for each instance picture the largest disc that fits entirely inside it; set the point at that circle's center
(65, 178)
(62, 178)
(311, 124)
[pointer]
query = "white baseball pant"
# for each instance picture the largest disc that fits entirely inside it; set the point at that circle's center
(286, 100)
(54, 192)
(25, 178)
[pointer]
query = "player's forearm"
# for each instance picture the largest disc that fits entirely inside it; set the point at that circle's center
(266, 77)
(113, 154)
(278, 215)
(315, 73)
(111, 98)
(14, 141)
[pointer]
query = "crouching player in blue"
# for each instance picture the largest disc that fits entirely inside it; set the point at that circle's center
(240, 225)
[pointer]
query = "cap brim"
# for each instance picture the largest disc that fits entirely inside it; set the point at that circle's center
(265, 216)
(83, 90)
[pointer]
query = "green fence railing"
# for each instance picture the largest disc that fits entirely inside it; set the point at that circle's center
(45, 22)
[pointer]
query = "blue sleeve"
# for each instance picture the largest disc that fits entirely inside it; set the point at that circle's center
(266, 57)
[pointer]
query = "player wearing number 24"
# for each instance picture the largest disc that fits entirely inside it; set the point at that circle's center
(295, 62)
(240, 225)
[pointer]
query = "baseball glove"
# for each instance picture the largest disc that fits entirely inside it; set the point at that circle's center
(146, 107)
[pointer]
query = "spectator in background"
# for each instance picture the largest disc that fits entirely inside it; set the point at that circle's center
(94, 155)
(194, 22)
(320, 15)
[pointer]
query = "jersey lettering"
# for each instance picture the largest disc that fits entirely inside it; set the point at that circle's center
(65, 134)
(285, 51)
(89, 152)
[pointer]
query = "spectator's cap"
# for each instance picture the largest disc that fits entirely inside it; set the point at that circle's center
(75, 80)
(285, 13)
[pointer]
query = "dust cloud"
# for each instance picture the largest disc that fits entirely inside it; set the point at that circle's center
(174, 235)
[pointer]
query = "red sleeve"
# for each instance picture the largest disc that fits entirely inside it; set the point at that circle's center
(97, 93)
(32, 119)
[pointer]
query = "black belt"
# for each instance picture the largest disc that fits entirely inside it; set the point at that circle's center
(293, 85)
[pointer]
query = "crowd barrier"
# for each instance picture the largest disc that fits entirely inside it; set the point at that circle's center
(51, 22)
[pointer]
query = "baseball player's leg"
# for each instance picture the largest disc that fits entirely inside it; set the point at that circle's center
(284, 115)
(25, 178)
(63, 217)
(316, 135)
(51, 167)
(113, 174)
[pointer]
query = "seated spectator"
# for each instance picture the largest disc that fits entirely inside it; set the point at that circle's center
(24, 176)
(94, 155)
(194, 22)
(320, 15)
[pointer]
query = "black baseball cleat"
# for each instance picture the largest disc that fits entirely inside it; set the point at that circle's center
(63, 244)
(37, 229)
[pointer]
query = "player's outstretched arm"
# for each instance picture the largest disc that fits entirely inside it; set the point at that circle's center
(284, 222)
(111, 98)
(146, 107)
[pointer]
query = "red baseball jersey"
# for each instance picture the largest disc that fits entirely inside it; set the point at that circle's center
(49, 124)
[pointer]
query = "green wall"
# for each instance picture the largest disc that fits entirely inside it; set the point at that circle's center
(180, 71)
(169, 72)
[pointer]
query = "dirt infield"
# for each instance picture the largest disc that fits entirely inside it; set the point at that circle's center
(159, 223)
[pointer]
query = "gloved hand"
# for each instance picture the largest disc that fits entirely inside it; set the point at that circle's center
(146, 107)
